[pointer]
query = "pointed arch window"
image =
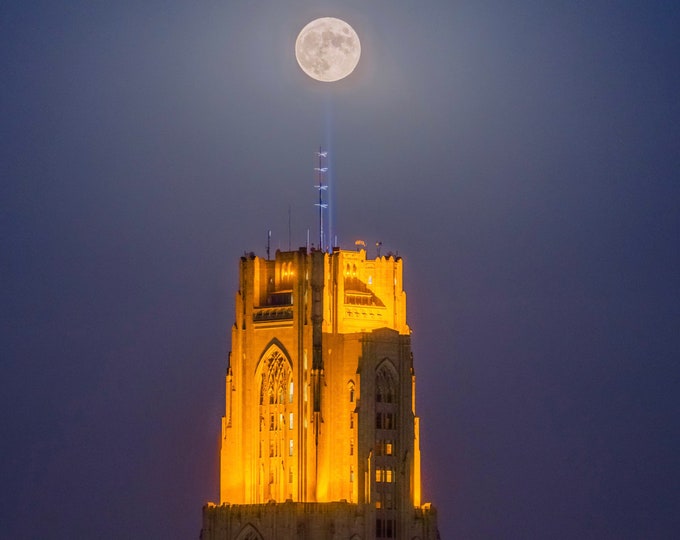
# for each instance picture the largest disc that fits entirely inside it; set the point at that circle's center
(386, 384)
(276, 388)
(249, 532)
(276, 380)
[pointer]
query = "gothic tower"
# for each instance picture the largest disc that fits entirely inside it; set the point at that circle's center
(320, 438)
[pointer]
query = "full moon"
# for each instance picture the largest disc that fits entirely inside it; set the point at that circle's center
(328, 49)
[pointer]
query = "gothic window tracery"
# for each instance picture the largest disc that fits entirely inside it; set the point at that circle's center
(385, 385)
(276, 411)
(386, 437)
(276, 379)
(249, 532)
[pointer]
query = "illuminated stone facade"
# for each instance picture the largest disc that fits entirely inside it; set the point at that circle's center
(320, 439)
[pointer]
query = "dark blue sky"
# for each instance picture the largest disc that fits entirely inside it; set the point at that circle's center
(523, 157)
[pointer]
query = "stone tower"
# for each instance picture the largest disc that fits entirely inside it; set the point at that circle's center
(320, 438)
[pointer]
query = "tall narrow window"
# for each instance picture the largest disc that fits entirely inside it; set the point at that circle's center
(275, 378)
(386, 384)
(389, 528)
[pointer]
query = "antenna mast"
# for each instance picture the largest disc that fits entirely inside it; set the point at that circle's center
(321, 170)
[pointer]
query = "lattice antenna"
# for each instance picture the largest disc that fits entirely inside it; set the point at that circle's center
(322, 186)
(269, 241)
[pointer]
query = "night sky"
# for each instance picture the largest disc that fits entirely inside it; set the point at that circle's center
(522, 157)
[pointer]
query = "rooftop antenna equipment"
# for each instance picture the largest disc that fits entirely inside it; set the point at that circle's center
(321, 171)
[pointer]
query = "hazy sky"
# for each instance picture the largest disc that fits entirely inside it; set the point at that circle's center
(523, 157)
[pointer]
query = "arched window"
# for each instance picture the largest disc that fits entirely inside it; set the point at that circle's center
(386, 383)
(249, 532)
(386, 410)
(275, 375)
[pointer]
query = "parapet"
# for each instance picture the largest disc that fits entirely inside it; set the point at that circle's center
(306, 521)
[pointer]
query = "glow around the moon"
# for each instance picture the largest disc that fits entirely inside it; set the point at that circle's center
(327, 49)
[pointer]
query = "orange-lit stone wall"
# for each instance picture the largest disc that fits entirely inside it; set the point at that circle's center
(320, 389)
